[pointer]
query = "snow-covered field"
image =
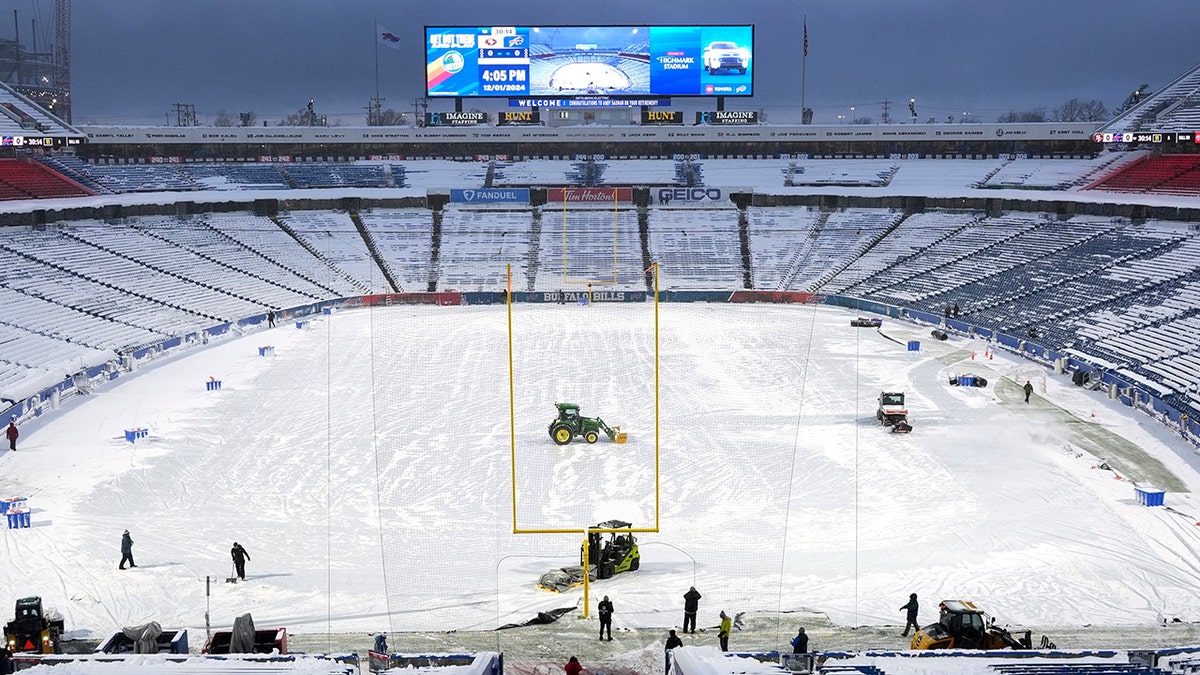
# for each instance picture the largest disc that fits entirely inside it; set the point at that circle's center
(367, 466)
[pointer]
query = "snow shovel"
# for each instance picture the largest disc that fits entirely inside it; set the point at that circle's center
(232, 578)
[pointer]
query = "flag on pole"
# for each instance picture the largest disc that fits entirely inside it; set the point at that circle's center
(806, 37)
(387, 38)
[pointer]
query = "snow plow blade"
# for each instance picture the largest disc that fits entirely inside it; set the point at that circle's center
(619, 436)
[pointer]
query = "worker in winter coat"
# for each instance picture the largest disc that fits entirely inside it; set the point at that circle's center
(691, 604)
(723, 632)
(12, 434)
(1028, 390)
(606, 610)
(240, 556)
(911, 619)
(126, 551)
(673, 641)
(573, 667)
(381, 644)
(800, 642)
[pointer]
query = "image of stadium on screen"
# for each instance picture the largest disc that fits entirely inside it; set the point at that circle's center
(565, 61)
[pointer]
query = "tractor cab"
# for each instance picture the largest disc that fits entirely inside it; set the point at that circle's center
(568, 412)
(618, 552)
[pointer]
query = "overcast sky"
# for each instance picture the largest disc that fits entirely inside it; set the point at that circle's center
(133, 59)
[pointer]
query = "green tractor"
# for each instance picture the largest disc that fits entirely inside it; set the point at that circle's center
(570, 424)
(618, 554)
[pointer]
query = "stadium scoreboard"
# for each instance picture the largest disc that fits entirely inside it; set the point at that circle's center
(571, 61)
(1147, 137)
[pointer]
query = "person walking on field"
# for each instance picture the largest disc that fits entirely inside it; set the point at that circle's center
(911, 620)
(12, 434)
(691, 604)
(573, 667)
(1028, 390)
(723, 632)
(606, 610)
(240, 556)
(126, 551)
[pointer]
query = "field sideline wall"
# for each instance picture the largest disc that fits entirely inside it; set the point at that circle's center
(211, 202)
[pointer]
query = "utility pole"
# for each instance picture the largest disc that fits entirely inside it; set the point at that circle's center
(887, 115)
(185, 114)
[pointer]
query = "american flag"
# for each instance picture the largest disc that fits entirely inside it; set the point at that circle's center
(806, 37)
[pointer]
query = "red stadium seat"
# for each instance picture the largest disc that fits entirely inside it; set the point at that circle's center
(25, 179)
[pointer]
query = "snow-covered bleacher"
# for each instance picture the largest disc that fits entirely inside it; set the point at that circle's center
(404, 240)
(267, 242)
(325, 175)
(913, 235)
(155, 244)
(540, 172)
(1060, 174)
(742, 172)
(777, 237)
(333, 238)
(697, 248)
(1062, 283)
(1021, 265)
(911, 279)
(843, 236)
(139, 178)
(576, 247)
(858, 173)
(478, 244)
(1174, 107)
(638, 172)
(442, 173)
(238, 176)
(274, 284)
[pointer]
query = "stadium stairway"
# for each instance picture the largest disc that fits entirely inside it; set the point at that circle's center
(374, 250)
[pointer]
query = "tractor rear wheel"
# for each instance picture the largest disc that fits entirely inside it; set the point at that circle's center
(591, 437)
(561, 434)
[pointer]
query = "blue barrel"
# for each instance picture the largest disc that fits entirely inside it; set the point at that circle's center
(132, 435)
(301, 325)
(213, 385)
(266, 351)
(327, 310)
(914, 345)
(966, 380)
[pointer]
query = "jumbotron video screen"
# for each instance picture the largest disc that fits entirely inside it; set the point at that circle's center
(564, 61)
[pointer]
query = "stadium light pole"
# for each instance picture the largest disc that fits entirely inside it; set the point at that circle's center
(851, 114)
